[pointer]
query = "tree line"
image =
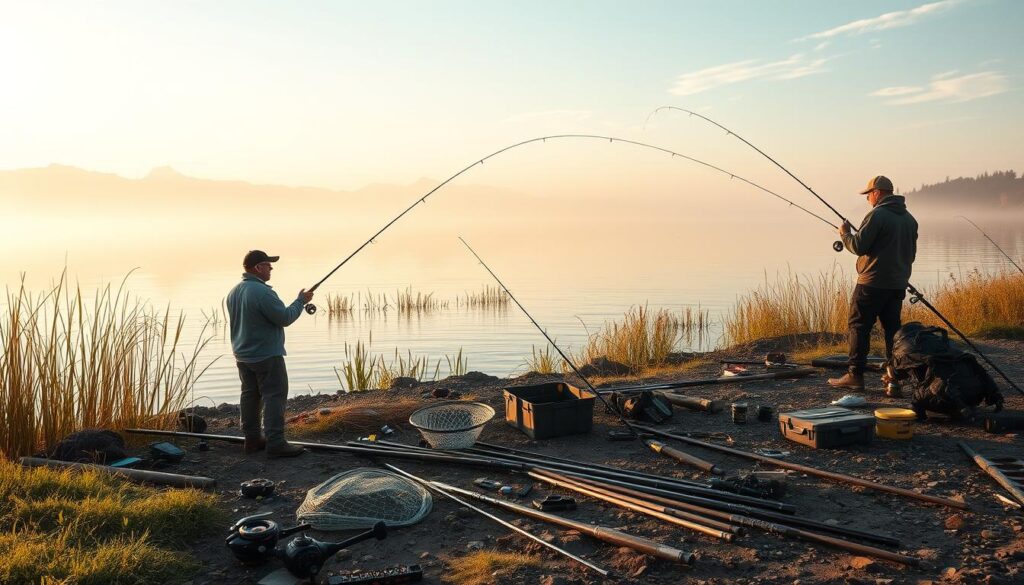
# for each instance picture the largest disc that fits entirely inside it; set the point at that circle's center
(1000, 189)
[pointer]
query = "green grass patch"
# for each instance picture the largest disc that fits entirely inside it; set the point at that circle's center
(65, 526)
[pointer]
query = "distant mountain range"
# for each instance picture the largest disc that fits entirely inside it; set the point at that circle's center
(1001, 189)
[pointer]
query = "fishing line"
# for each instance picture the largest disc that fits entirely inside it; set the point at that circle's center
(915, 295)
(551, 341)
(310, 308)
(993, 243)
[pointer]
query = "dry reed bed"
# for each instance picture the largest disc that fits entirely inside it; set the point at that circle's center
(363, 371)
(365, 416)
(977, 304)
(67, 363)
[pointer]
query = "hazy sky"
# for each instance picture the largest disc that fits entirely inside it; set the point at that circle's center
(343, 94)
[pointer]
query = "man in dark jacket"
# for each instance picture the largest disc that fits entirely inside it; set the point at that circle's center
(885, 245)
(258, 318)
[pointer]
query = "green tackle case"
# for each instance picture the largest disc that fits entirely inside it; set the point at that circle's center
(825, 428)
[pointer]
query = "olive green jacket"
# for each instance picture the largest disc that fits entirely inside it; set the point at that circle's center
(886, 244)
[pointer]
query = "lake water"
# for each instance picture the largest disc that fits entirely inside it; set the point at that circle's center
(573, 270)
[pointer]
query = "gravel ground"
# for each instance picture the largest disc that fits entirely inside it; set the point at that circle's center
(982, 545)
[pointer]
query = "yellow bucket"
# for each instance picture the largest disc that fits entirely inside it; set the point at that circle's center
(894, 423)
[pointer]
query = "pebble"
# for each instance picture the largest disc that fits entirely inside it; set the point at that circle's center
(474, 545)
(954, 522)
(861, 563)
(989, 534)
(343, 554)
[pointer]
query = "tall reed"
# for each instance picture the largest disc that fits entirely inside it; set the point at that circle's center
(644, 339)
(363, 371)
(791, 305)
(977, 303)
(68, 364)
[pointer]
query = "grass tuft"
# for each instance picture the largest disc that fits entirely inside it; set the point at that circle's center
(487, 566)
(644, 339)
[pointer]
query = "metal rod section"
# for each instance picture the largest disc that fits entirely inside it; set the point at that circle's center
(689, 521)
(509, 525)
(609, 535)
(783, 375)
(133, 475)
(724, 510)
(771, 527)
(812, 470)
(998, 247)
(918, 296)
(683, 457)
(994, 472)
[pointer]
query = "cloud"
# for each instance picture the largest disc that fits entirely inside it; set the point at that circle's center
(885, 21)
(947, 87)
(790, 68)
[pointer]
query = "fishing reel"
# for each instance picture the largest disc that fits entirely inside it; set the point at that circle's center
(310, 309)
(254, 541)
(838, 245)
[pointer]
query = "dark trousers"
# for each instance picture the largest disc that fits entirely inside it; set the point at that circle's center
(264, 388)
(867, 305)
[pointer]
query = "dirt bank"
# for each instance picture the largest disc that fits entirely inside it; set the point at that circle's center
(982, 545)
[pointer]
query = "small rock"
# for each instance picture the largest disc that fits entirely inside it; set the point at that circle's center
(424, 555)
(343, 554)
(404, 382)
(861, 563)
(949, 573)
(955, 522)
(440, 392)
(474, 545)
(989, 534)
(553, 580)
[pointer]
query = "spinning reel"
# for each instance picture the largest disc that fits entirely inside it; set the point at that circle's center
(253, 541)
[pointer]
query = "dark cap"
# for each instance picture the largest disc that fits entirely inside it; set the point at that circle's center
(254, 257)
(881, 183)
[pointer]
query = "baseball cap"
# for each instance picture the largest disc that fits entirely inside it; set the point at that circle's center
(254, 257)
(880, 182)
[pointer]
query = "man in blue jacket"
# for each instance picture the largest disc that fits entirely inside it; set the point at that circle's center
(258, 318)
(885, 245)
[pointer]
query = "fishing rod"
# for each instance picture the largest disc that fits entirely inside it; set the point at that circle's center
(1015, 265)
(568, 361)
(915, 294)
(311, 308)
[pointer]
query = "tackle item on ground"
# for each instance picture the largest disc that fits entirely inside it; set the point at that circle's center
(1004, 422)
(554, 409)
(644, 406)
(555, 503)
(764, 413)
(739, 412)
(164, 451)
(254, 541)
(751, 485)
(361, 497)
(1006, 471)
(617, 435)
(90, 446)
(487, 484)
(452, 425)
(682, 457)
(387, 576)
(849, 400)
(824, 428)
(944, 379)
(133, 475)
(693, 403)
(257, 488)
(127, 462)
(772, 453)
(842, 362)
(895, 423)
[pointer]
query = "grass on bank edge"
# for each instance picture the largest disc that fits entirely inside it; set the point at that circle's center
(88, 528)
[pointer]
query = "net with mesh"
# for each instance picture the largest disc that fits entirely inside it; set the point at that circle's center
(452, 425)
(361, 497)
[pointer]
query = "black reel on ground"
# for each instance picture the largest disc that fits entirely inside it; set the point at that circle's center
(253, 539)
(304, 556)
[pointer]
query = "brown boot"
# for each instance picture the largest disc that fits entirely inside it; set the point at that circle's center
(254, 445)
(284, 450)
(851, 381)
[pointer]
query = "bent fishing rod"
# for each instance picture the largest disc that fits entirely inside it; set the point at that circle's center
(311, 309)
(915, 294)
(1015, 265)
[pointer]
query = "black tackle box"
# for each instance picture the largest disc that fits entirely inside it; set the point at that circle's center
(823, 428)
(549, 410)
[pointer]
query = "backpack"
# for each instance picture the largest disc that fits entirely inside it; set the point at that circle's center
(945, 379)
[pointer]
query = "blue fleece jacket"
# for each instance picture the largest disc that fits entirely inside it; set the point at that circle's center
(258, 318)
